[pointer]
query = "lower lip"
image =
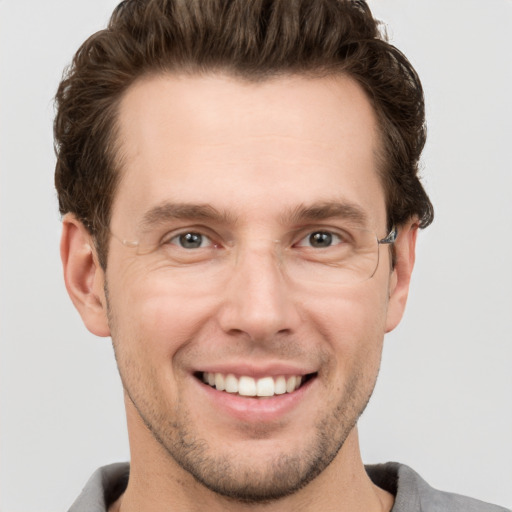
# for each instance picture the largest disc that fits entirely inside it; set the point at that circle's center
(253, 409)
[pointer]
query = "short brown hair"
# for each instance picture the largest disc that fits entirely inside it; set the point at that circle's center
(253, 40)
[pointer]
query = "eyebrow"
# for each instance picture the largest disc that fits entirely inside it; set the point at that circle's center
(327, 210)
(167, 211)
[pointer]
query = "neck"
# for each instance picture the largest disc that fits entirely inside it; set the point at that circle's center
(157, 482)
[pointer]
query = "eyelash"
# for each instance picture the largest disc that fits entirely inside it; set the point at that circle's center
(186, 233)
(308, 237)
(175, 238)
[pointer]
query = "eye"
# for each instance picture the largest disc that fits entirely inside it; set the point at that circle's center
(320, 240)
(191, 240)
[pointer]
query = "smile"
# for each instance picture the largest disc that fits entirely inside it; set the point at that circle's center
(251, 387)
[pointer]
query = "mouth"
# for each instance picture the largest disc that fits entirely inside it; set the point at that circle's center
(247, 386)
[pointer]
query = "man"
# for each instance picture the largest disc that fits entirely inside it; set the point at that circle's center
(240, 196)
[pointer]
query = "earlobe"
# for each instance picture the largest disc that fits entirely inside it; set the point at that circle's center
(405, 250)
(83, 275)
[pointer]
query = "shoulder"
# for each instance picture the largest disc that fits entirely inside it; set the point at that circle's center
(102, 489)
(413, 494)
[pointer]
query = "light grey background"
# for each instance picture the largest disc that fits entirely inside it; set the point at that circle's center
(443, 403)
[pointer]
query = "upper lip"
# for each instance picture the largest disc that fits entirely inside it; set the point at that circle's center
(256, 371)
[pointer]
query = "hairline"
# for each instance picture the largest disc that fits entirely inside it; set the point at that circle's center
(114, 144)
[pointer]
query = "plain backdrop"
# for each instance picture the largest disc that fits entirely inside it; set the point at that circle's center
(443, 402)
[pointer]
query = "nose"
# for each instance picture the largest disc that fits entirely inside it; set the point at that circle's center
(258, 301)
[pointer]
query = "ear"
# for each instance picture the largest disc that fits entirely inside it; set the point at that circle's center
(83, 275)
(405, 253)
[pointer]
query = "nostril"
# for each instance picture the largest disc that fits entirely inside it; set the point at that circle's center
(236, 332)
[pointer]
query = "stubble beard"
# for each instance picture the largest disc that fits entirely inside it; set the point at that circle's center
(231, 476)
(237, 478)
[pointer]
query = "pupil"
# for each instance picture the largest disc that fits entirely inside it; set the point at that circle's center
(191, 240)
(320, 239)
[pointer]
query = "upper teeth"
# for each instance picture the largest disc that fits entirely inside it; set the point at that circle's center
(248, 386)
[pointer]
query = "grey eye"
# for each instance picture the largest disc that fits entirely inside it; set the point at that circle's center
(320, 239)
(190, 240)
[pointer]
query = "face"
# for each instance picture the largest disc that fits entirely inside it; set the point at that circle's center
(227, 188)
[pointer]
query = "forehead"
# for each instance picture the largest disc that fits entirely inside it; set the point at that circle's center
(246, 147)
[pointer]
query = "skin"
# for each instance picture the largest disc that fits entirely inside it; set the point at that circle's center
(255, 152)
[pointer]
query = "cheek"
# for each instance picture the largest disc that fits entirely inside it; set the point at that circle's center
(151, 318)
(353, 323)
(359, 311)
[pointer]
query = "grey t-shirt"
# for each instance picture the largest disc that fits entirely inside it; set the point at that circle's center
(412, 493)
